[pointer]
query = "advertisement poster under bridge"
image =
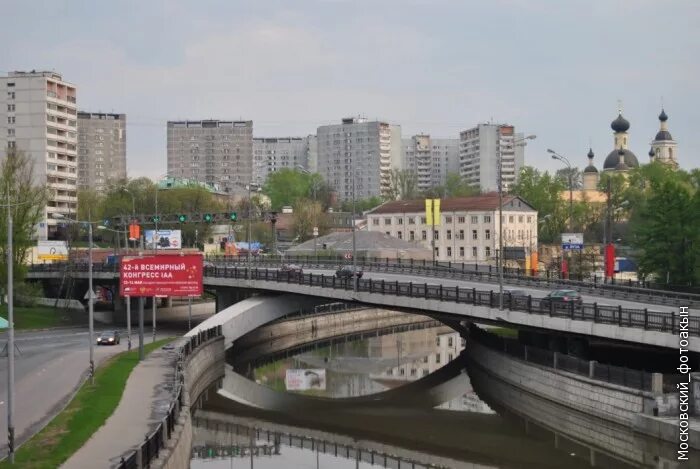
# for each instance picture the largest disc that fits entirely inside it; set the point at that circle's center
(162, 275)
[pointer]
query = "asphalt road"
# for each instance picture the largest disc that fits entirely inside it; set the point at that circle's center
(537, 292)
(48, 369)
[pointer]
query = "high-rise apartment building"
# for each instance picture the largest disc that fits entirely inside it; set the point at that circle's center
(212, 151)
(101, 150)
(38, 117)
(483, 148)
(271, 154)
(430, 159)
(370, 149)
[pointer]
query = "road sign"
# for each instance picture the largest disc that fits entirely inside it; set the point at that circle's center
(162, 275)
(348, 255)
(315, 230)
(572, 241)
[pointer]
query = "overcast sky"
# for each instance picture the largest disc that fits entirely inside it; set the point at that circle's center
(552, 68)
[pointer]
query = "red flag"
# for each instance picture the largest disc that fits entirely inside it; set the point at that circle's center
(610, 260)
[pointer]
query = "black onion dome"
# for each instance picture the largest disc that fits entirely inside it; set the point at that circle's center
(651, 153)
(663, 117)
(613, 159)
(590, 168)
(663, 135)
(620, 124)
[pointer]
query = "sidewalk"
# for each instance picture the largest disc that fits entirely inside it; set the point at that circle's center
(143, 405)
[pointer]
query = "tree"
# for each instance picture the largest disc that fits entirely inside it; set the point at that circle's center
(27, 202)
(308, 214)
(543, 192)
(361, 205)
(576, 177)
(403, 184)
(286, 186)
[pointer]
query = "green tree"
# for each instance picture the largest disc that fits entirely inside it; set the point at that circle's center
(403, 184)
(543, 192)
(286, 186)
(26, 203)
(361, 205)
(576, 177)
(308, 214)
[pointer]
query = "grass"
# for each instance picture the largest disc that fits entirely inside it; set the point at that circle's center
(37, 317)
(504, 332)
(87, 412)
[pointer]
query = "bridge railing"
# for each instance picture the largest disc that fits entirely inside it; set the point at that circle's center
(155, 442)
(622, 376)
(617, 315)
(481, 273)
(457, 271)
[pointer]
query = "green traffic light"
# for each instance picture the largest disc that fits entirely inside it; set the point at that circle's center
(208, 217)
(155, 219)
(182, 218)
(234, 216)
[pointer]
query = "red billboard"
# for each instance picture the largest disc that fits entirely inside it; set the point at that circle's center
(163, 275)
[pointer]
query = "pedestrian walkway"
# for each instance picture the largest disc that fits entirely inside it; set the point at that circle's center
(143, 405)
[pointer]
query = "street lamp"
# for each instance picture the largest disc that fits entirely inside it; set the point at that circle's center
(516, 142)
(250, 203)
(91, 311)
(563, 159)
(128, 297)
(133, 206)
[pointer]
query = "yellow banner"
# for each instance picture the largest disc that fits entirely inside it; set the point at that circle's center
(436, 212)
(52, 257)
(429, 211)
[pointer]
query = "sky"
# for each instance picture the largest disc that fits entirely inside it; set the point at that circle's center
(556, 69)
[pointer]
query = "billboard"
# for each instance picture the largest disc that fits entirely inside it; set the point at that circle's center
(571, 241)
(163, 275)
(52, 251)
(305, 379)
(166, 239)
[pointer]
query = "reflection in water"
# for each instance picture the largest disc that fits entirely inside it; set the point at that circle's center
(399, 399)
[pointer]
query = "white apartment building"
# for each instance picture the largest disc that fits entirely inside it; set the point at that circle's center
(468, 229)
(370, 149)
(430, 159)
(212, 151)
(101, 150)
(38, 116)
(271, 154)
(482, 148)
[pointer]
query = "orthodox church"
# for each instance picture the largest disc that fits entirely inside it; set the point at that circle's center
(621, 159)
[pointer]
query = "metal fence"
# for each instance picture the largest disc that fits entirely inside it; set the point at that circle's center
(593, 312)
(155, 441)
(461, 271)
(636, 379)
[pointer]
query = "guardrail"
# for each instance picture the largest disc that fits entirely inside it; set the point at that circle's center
(622, 376)
(637, 291)
(593, 312)
(155, 441)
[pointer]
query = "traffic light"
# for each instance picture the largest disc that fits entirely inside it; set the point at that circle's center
(208, 217)
(155, 218)
(182, 218)
(233, 216)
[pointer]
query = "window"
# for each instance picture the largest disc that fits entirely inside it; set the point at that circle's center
(10, 95)
(388, 233)
(461, 234)
(460, 219)
(437, 358)
(520, 218)
(436, 235)
(399, 221)
(475, 235)
(487, 251)
(399, 235)
(461, 251)
(529, 219)
(387, 221)
(449, 251)
(10, 132)
(437, 341)
(448, 219)
(411, 221)
(375, 221)
(413, 372)
(437, 252)
(474, 252)
(450, 341)
(411, 235)
(10, 108)
(11, 120)
(424, 372)
(424, 235)
(487, 218)
(423, 220)
(402, 371)
(487, 234)
(449, 357)
(511, 219)
(475, 219)
(449, 234)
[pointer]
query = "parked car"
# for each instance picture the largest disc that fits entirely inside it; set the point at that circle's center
(563, 298)
(346, 271)
(291, 270)
(108, 338)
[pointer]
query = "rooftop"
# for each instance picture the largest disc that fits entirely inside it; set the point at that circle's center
(480, 202)
(364, 241)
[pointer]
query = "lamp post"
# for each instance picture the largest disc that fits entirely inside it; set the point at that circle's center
(133, 206)
(10, 340)
(128, 298)
(91, 311)
(563, 159)
(250, 204)
(516, 142)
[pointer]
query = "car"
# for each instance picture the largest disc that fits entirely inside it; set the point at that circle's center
(108, 338)
(346, 271)
(291, 270)
(563, 298)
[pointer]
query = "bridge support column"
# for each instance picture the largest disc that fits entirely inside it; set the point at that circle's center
(226, 297)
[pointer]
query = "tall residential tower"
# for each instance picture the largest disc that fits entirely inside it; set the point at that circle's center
(101, 150)
(430, 159)
(38, 116)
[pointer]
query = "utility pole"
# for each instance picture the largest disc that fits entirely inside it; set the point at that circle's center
(156, 241)
(432, 226)
(10, 340)
(354, 242)
(91, 300)
(141, 307)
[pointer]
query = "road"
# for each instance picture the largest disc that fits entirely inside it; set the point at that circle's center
(466, 284)
(48, 371)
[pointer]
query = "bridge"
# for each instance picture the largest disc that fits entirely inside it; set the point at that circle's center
(454, 295)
